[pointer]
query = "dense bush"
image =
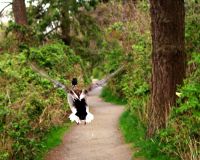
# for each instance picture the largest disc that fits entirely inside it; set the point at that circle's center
(132, 48)
(29, 106)
(136, 82)
(134, 132)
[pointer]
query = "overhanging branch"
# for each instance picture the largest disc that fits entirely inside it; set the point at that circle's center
(53, 29)
(1, 12)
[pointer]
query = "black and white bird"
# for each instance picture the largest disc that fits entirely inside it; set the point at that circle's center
(77, 102)
(76, 97)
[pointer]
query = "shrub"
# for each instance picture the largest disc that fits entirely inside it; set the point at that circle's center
(182, 136)
(29, 106)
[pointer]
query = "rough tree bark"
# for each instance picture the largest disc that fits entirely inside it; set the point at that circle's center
(19, 11)
(168, 59)
(65, 21)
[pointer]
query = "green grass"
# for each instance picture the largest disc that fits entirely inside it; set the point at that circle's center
(52, 139)
(107, 95)
(134, 133)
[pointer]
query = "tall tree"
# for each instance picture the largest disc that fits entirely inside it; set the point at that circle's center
(168, 59)
(65, 22)
(66, 7)
(57, 16)
(19, 11)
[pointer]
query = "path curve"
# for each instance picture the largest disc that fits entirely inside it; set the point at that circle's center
(99, 140)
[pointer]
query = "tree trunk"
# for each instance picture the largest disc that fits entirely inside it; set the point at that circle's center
(65, 21)
(19, 11)
(168, 59)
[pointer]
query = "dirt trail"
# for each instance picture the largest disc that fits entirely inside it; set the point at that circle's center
(99, 140)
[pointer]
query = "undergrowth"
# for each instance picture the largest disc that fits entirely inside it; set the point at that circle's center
(29, 104)
(108, 96)
(181, 138)
(52, 139)
(134, 133)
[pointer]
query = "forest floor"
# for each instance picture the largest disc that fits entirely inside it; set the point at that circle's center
(99, 140)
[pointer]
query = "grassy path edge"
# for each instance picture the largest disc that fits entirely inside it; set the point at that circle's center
(52, 139)
(134, 131)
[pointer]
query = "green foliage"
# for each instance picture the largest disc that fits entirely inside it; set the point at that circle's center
(52, 139)
(129, 44)
(134, 133)
(192, 27)
(181, 137)
(136, 81)
(117, 26)
(108, 96)
(56, 56)
(49, 14)
(23, 34)
(87, 40)
(29, 106)
(113, 55)
(134, 130)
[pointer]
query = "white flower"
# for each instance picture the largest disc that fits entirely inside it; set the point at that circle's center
(178, 94)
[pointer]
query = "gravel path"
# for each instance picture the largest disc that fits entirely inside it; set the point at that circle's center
(99, 140)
